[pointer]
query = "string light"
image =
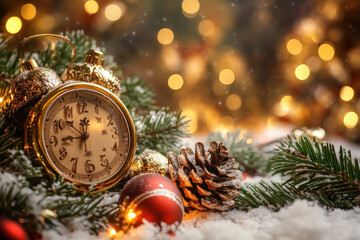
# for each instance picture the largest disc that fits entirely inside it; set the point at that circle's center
(91, 7)
(350, 119)
(206, 28)
(28, 11)
(302, 72)
(165, 36)
(294, 46)
(175, 82)
(346, 93)
(227, 76)
(233, 102)
(190, 7)
(113, 12)
(326, 52)
(13, 25)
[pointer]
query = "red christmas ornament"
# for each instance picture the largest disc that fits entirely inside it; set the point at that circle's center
(150, 197)
(11, 230)
(245, 176)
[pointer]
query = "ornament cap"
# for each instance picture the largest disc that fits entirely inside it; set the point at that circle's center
(28, 65)
(94, 57)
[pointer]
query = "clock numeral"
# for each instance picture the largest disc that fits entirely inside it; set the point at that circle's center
(53, 140)
(115, 147)
(58, 124)
(82, 107)
(104, 161)
(110, 118)
(125, 138)
(68, 112)
(89, 167)
(73, 168)
(63, 153)
(115, 132)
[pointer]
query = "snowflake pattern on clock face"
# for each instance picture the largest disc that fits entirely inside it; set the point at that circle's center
(85, 136)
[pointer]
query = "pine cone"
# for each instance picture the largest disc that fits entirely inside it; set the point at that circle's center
(207, 179)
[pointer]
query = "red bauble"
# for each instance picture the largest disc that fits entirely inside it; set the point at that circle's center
(150, 197)
(11, 230)
(245, 176)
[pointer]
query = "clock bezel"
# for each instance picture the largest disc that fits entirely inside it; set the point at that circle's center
(33, 142)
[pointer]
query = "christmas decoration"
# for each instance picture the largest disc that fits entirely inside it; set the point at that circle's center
(11, 230)
(208, 179)
(150, 197)
(149, 162)
(92, 70)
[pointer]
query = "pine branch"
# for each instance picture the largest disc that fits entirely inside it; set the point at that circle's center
(160, 131)
(251, 161)
(135, 94)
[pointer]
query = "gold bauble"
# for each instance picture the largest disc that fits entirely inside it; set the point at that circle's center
(91, 70)
(29, 86)
(317, 133)
(149, 162)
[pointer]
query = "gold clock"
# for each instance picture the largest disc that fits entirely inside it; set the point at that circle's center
(82, 132)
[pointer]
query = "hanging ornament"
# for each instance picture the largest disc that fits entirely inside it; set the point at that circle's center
(149, 162)
(31, 84)
(92, 70)
(208, 179)
(150, 197)
(11, 230)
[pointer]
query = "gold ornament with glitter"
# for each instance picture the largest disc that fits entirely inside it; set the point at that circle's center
(92, 70)
(317, 133)
(149, 162)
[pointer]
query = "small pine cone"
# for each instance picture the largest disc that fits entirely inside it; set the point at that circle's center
(208, 180)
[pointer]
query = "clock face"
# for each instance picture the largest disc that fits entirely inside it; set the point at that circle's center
(86, 136)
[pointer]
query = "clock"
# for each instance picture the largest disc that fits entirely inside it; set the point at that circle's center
(82, 132)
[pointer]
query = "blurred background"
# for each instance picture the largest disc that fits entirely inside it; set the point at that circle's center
(250, 64)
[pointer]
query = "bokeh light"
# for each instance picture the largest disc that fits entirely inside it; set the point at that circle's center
(294, 46)
(91, 7)
(302, 72)
(190, 7)
(191, 115)
(227, 76)
(113, 12)
(206, 28)
(175, 82)
(326, 52)
(233, 101)
(28, 11)
(165, 36)
(13, 25)
(346, 93)
(350, 119)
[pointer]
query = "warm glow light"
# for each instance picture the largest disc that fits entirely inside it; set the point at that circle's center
(227, 76)
(346, 93)
(13, 25)
(113, 12)
(249, 141)
(175, 82)
(233, 102)
(227, 123)
(272, 122)
(28, 11)
(351, 119)
(112, 232)
(131, 215)
(326, 52)
(302, 72)
(190, 6)
(91, 7)
(206, 28)
(212, 119)
(193, 124)
(294, 46)
(165, 36)
(1, 99)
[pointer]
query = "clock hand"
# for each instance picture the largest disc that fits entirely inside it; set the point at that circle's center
(85, 123)
(71, 124)
(70, 138)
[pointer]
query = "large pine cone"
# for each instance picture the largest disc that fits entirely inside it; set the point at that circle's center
(208, 180)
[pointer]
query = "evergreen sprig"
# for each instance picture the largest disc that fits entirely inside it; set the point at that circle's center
(312, 171)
